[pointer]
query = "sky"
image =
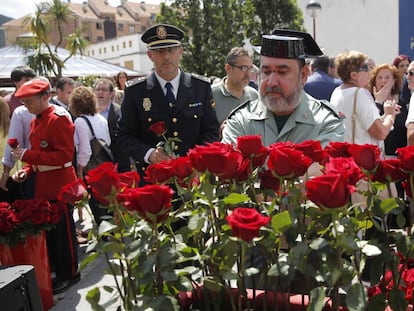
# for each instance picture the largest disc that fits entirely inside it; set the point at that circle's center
(19, 8)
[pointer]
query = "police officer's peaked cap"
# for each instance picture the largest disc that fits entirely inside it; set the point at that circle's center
(162, 36)
(32, 88)
(289, 44)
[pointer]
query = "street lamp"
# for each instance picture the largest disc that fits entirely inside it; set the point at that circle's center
(313, 8)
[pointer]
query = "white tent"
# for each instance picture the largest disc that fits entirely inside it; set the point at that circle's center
(76, 66)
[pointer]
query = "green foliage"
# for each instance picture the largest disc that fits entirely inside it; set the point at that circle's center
(213, 27)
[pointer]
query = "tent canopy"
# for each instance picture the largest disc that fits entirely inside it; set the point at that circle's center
(76, 66)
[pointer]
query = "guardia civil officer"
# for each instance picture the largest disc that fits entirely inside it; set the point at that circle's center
(182, 100)
(284, 112)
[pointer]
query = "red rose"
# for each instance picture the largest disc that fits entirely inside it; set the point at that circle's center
(158, 128)
(246, 222)
(329, 191)
(366, 156)
(218, 158)
(268, 181)
(151, 202)
(389, 170)
(8, 219)
(345, 166)
(41, 215)
(312, 149)
(338, 149)
(288, 163)
(374, 290)
(158, 173)
(182, 167)
(252, 148)
(73, 192)
(129, 179)
(13, 143)
(103, 180)
(406, 156)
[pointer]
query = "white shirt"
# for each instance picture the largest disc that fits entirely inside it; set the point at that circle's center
(83, 136)
(366, 113)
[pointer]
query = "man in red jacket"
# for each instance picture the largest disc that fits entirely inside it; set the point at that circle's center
(50, 159)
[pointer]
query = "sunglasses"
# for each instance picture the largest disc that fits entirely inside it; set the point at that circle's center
(410, 73)
(364, 67)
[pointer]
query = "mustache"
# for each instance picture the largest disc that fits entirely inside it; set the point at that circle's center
(273, 89)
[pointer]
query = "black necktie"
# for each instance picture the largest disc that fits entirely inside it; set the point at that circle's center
(170, 95)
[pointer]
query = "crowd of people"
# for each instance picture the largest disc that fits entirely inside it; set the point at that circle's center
(295, 93)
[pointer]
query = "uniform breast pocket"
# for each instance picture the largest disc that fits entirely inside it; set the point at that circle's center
(194, 114)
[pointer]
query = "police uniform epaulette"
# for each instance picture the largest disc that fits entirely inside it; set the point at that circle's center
(238, 108)
(135, 81)
(200, 77)
(328, 105)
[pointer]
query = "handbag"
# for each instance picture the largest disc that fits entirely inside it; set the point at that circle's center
(100, 150)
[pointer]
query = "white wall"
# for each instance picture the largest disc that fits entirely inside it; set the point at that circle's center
(368, 26)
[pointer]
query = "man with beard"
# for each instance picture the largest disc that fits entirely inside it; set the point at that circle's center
(284, 112)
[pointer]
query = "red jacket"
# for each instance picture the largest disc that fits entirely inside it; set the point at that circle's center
(52, 140)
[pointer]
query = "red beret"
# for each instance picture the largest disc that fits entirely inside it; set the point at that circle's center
(32, 88)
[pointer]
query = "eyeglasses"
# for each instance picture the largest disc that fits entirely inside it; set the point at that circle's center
(364, 67)
(410, 73)
(244, 68)
(102, 89)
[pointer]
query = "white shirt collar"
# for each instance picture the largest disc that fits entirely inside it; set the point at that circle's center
(174, 82)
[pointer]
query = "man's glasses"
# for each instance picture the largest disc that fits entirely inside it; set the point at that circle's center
(410, 73)
(244, 68)
(364, 67)
(102, 89)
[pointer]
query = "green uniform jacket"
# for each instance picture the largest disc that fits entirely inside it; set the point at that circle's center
(312, 119)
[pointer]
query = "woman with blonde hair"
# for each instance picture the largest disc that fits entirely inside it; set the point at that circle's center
(363, 122)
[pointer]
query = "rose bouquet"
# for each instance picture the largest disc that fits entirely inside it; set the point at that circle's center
(26, 217)
(245, 226)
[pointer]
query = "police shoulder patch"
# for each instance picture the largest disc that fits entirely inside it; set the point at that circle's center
(200, 77)
(135, 81)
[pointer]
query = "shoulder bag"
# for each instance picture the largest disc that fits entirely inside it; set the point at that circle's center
(100, 150)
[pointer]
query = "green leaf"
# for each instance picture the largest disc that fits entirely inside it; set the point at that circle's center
(91, 258)
(164, 303)
(387, 205)
(281, 222)
(317, 299)
(356, 298)
(93, 297)
(236, 198)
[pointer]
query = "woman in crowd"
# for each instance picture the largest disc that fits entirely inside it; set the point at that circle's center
(83, 103)
(363, 123)
(120, 81)
(401, 62)
(410, 118)
(385, 85)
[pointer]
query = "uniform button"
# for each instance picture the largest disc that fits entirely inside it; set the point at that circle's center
(174, 120)
(175, 147)
(195, 116)
(149, 119)
(175, 133)
(143, 169)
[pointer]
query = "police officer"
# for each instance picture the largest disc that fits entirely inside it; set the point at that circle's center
(181, 100)
(284, 112)
(50, 158)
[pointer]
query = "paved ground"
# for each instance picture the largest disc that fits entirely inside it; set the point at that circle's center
(91, 276)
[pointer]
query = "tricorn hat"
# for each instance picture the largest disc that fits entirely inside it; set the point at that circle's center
(284, 43)
(162, 36)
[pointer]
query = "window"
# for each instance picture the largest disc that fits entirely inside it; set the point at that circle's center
(100, 51)
(112, 49)
(123, 45)
(120, 27)
(131, 28)
(129, 64)
(130, 43)
(98, 25)
(104, 50)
